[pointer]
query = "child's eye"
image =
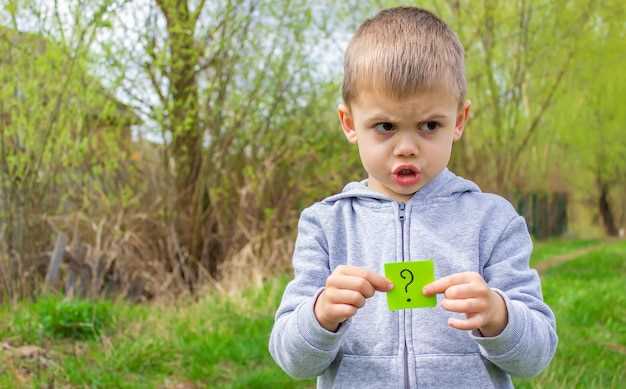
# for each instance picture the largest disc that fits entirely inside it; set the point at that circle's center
(384, 127)
(430, 126)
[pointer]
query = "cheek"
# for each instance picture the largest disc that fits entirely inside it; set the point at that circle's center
(441, 150)
(372, 153)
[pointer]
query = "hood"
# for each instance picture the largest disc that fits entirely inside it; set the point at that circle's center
(445, 184)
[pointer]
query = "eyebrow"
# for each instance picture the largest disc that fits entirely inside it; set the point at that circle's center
(383, 118)
(380, 118)
(437, 116)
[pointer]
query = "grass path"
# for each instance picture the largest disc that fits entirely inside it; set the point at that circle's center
(560, 259)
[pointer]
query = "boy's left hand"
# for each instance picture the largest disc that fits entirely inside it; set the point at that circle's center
(468, 293)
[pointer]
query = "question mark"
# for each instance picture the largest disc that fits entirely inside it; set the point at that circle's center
(409, 283)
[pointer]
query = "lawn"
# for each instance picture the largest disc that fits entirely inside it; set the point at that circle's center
(588, 296)
(222, 342)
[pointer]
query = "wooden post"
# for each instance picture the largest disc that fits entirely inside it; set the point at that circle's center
(55, 262)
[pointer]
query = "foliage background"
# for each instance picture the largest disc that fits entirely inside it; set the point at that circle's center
(179, 139)
(175, 142)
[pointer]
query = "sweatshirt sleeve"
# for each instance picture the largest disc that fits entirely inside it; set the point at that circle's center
(528, 342)
(298, 343)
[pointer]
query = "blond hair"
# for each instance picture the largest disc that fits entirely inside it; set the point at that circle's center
(402, 50)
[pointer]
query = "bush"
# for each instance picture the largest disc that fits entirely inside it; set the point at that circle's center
(76, 319)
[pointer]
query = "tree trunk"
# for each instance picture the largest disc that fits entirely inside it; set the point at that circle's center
(186, 134)
(184, 119)
(605, 210)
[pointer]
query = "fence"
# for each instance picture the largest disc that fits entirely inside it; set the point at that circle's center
(545, 213)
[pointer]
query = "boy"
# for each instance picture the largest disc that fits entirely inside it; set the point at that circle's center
(404, 106)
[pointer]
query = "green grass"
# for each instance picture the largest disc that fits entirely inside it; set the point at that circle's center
(216, 342)
(222, 342)
(588, 299)
(55, 317)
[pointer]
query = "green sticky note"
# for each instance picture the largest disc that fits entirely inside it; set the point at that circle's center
(408, 279)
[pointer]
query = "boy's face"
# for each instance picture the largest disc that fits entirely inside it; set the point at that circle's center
(415, 133)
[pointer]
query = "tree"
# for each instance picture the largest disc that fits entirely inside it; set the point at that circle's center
(234, 87)
(590, 116)
(518, 54)
(62, 135)
(54, 133)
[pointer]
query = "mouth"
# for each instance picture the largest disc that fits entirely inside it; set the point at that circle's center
(406, 175)
(405, 169)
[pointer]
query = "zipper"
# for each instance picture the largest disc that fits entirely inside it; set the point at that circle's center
(406, 355)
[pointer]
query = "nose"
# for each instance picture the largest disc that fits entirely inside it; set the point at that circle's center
(407, 144)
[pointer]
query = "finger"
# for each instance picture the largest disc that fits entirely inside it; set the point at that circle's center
(472, 323)
(345, 296)
(464, 291)
(379, 282)
(464, 305)
(358, 284)
(376, 280)
(342, 311)
(440, 285)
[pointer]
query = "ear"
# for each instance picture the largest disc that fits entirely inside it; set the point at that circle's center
(347, 123)
(461, 119)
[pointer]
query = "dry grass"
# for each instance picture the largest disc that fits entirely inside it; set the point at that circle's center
(137, 252)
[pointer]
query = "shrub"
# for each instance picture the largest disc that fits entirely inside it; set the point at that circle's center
(76, 319)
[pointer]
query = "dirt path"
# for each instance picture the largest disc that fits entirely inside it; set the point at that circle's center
(560, 259)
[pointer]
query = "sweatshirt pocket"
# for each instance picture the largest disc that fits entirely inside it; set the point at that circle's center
(373, 330)
(452, 371)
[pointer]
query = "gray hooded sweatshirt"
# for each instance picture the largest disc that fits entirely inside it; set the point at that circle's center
(461, 229)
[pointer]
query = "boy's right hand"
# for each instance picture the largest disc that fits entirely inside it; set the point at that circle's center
(346, 290)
